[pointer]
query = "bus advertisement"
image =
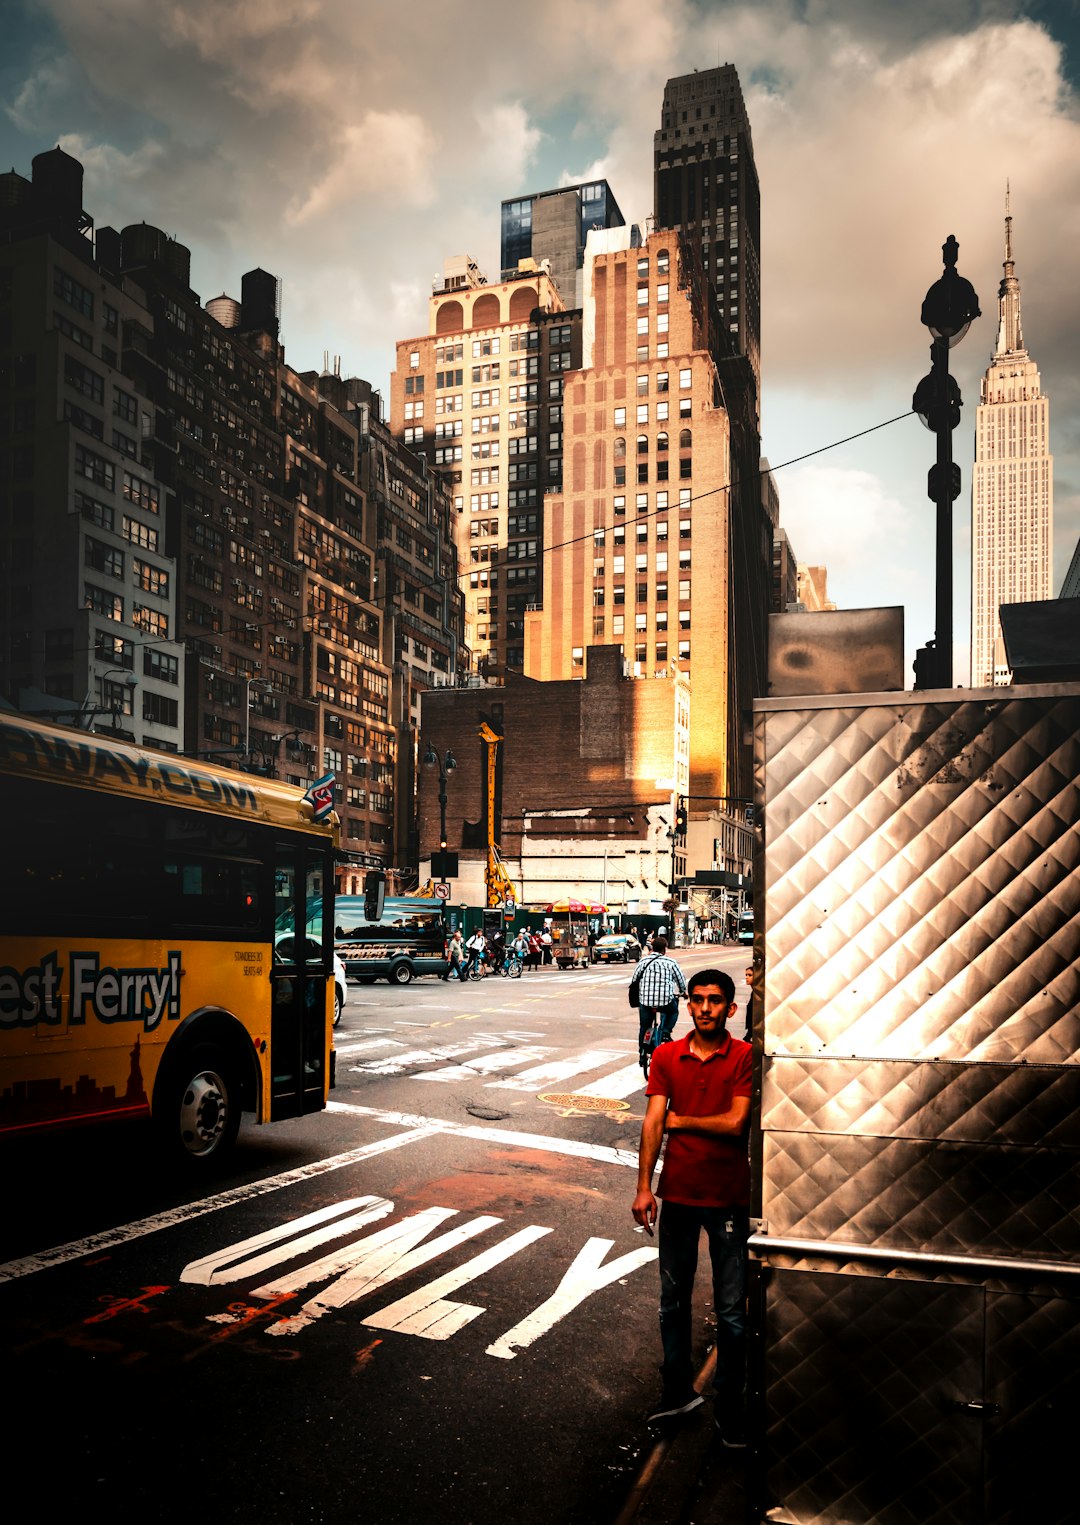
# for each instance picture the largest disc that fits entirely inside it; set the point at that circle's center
(139, 969)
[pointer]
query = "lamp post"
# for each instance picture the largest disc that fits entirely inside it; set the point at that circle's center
(948, 311)
(446, 766)
(130, 680)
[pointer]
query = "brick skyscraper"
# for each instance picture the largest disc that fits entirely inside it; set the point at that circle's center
(706, 186)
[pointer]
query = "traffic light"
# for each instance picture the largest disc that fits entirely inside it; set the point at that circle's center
(374, 894)
(680, 821)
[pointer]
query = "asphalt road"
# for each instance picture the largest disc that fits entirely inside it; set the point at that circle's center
(429, 1301)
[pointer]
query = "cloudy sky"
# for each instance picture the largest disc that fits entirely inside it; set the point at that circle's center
(349, 147)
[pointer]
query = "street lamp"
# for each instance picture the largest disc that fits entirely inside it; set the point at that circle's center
(116, 706)
(446, 766)
(948, 311)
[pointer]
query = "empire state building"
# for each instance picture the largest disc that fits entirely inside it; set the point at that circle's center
(1012, 490)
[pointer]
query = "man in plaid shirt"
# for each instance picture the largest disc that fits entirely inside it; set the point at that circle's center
(660, 984)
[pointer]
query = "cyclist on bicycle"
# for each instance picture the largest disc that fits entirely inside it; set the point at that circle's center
(475, 948)
(660, 984)
(519, 949)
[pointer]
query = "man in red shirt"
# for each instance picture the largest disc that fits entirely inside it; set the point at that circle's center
(699, 1096)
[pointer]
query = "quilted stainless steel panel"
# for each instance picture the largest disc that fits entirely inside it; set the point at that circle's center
(942, 1198)
(1033, 1385)
(921, 878)
(862, 1377)
(970, 1103)
(917, 1054)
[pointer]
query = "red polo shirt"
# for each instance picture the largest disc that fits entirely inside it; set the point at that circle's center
(702, 1170)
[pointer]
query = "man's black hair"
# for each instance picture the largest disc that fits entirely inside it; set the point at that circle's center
(713, 977)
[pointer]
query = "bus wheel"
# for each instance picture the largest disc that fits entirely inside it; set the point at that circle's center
(401, 974)
(201, 1111)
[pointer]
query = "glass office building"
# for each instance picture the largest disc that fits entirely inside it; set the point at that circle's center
(554, 225)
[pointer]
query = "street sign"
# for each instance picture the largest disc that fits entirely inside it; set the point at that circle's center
(442, 892)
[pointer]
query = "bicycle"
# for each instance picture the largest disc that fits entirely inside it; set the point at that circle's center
(511, 966)
(651, 1042)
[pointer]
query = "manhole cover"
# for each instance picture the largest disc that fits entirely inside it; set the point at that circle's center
(583, 1103)
(487, 1114)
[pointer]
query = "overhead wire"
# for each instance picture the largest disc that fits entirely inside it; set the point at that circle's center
(475, 567)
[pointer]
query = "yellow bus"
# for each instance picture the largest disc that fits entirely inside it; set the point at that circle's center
(140, 973)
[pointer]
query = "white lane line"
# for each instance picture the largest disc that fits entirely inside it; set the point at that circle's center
(113, 1238)
(562, 1069)
(486, 1064)
(367, 1047)
(618, 1084)
(509, 1136)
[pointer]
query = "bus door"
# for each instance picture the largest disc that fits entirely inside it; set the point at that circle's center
(301, 978)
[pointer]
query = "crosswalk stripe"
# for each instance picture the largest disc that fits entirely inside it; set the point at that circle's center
(396, 1064)
(368, 1047)
(618, 1084)
(486, 1064)
(562, 1069)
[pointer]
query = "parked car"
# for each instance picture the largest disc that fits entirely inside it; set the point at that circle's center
(616, 948)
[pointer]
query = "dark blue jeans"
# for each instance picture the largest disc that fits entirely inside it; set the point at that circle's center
(646, 1014)
(680, 1230)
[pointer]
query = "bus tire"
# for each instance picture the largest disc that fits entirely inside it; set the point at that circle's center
(400, 974)
(200, 1105)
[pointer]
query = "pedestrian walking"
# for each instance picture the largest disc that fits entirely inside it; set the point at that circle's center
(660, 984)
(536, 951)
(545, 940)
(699, 1099)
(455, 956)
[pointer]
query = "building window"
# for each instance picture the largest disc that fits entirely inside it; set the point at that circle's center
(620, 419)
(686, 379)
(151, 621)
(160, 665)
(160, 709)
(111, 605)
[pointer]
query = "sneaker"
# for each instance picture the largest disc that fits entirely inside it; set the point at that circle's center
(732, 1433)
(674, 1404)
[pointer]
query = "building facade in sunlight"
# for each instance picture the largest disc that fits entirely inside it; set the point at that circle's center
(643, 514)
(480, 397)
(1012, 487)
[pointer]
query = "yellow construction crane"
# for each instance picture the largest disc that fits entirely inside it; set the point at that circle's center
(500, 886)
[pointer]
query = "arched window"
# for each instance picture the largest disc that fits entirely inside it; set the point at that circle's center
(620, 449)
(661, 443)
(663, 262)
(643, 444)
(685, 439)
